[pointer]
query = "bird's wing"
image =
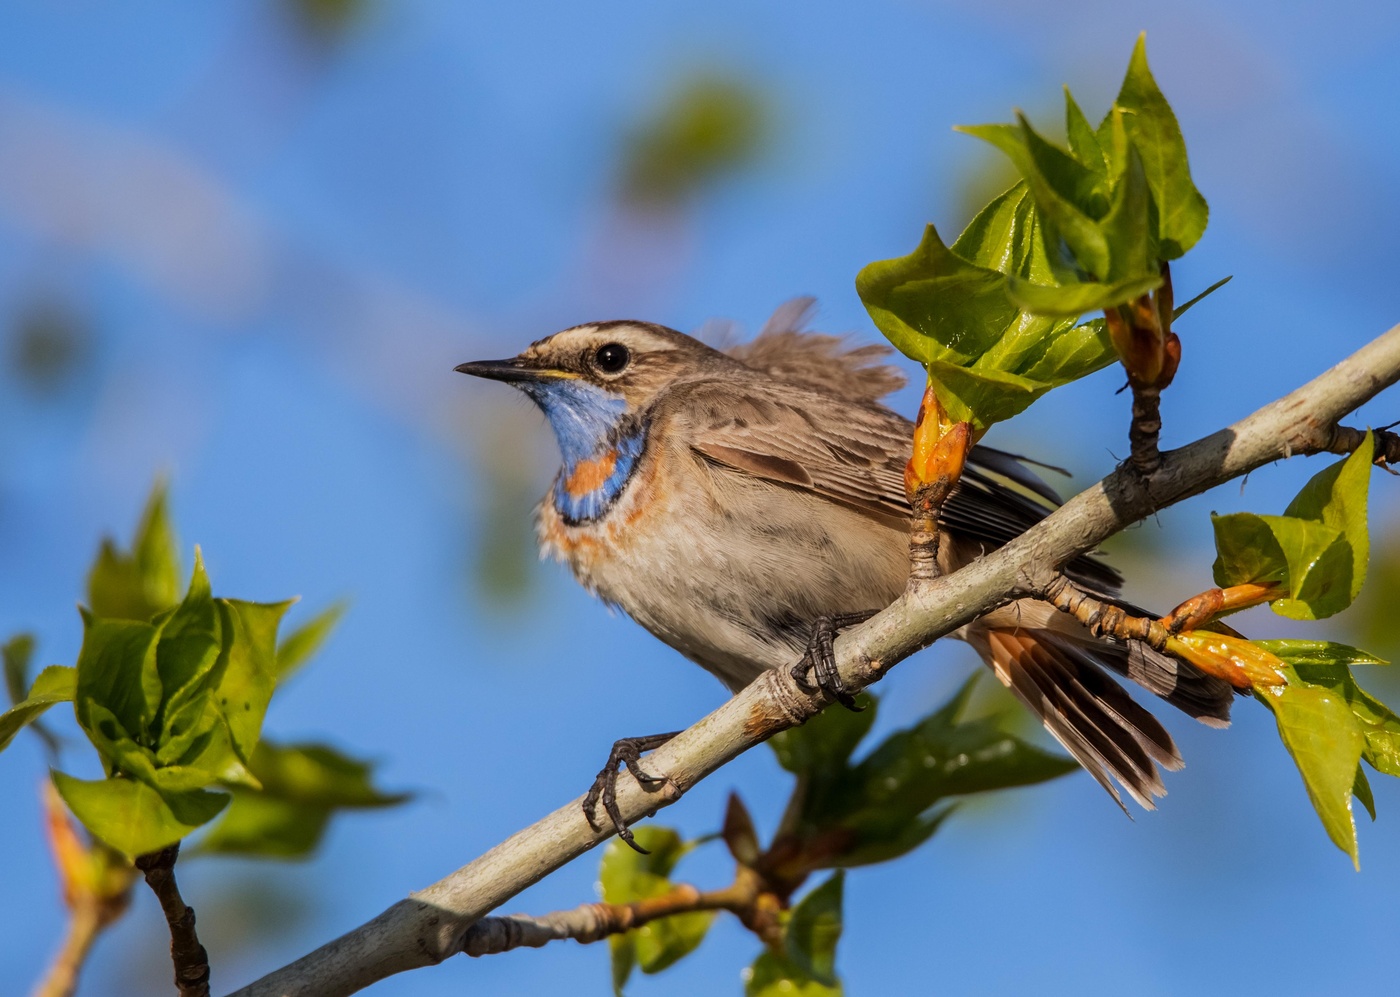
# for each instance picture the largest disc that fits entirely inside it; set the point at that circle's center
(855, 454)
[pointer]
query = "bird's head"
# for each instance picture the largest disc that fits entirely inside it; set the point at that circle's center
(593, 380)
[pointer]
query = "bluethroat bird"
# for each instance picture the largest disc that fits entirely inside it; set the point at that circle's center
(744, 505)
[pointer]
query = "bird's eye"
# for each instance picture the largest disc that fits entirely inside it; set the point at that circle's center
(611, 358)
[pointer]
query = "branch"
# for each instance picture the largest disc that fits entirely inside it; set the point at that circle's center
(592, 922)
(433, 923)
(191, 961)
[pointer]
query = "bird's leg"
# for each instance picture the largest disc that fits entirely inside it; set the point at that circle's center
(627, 751)
(820, 658)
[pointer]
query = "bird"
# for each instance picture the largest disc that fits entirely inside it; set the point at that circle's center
(743, 504)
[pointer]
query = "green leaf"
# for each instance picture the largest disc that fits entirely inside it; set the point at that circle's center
(132, 817)
(987, 358)
(1318, 549)
(303, 642)
(627, 876)
(1065, 191)
(1073, 300)
(189, 644)
(772, 975)
(144, 582)
(1311, 560)
(824, 743)
(1126, 229)
(248, 668)
(889, 803)
(1083, 142)
(117, 670)
(1318, 652)
(55, 684)
(1336, 496)
(1362, 791)
(1152, 128)
(1007, 236)
(17, 652)
(1318, 728)
(814, 929)
(1181, 310)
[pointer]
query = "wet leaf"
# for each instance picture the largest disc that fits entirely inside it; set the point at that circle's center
(132, 817)
(1318, 652)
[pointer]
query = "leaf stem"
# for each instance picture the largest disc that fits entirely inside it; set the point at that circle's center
(190, 959)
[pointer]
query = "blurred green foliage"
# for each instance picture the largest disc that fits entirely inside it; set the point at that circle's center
(171, 691)
(48, 343)
(708, 127)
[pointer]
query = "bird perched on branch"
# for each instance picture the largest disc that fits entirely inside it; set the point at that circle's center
(743, 505)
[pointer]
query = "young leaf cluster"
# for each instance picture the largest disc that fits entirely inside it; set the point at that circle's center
(171, 690)
(1089, 227)
(1315, 555)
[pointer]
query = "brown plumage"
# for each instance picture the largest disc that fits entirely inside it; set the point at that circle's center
(768, 492)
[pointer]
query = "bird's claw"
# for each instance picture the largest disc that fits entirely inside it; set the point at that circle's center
(628, 752)
(820, 659)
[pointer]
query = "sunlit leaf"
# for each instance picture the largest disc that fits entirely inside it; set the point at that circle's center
(1319, 652)
(1181, 310)
(1337, 497)
(190, 641)
(774, 976)
(1311, 559)
(1083, 141)
(117, 670)
(1073, 300)
(1152, 128)
(1317, 727)
(137, 585)
(987, 359)
(813, 930)
(55, 684)
(627, 876)
(303, 642)
(248, 668)
(132, 817)
(1362, 791)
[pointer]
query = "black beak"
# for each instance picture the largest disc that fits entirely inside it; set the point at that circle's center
(513, 369)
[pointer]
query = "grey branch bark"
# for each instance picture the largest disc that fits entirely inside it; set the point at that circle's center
(432, 924)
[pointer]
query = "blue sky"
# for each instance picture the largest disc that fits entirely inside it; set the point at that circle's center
(279, 246)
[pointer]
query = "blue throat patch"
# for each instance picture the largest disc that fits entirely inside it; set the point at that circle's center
(597, 462)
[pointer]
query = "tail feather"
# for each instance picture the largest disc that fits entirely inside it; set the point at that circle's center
(1093, 717)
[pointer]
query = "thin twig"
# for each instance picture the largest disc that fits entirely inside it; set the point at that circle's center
(430, 925)
(190, 959)
(61, 980)
(1145, 430)
(592, 922)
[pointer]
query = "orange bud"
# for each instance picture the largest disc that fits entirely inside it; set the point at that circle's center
(70, 854)
(1201, 609)
(1243, 664)
(87, 871)
(940, 447)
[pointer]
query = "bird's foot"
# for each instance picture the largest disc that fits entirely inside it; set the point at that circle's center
(820, 658)
(627, 751)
